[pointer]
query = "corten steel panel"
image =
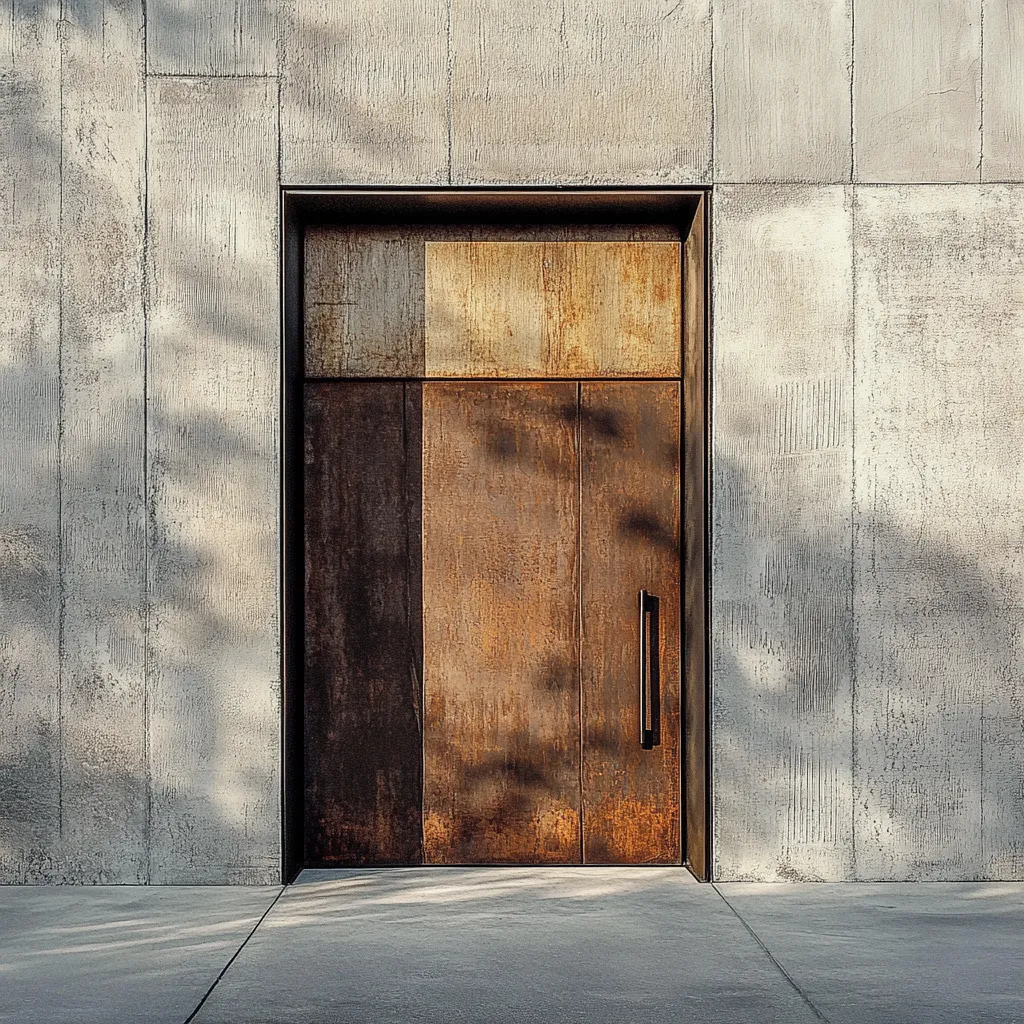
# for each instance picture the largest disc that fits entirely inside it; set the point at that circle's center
(629, 526)
(364, 303)
(694, 501)
(552, 309)
(363, 660)
(500, 600)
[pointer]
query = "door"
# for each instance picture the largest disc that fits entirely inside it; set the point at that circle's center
(492, 575)
(547, 508)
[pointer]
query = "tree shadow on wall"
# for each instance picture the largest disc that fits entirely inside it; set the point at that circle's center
(868, 710)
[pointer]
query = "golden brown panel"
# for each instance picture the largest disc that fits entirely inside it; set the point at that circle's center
(552, 309)
(500, 597)
(629, 452)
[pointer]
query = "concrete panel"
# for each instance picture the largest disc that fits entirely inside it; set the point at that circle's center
(213, 381)
(917, 90)
(102, 459)
(1003, 91)
(204, 37)
(29, 425)
(782, 90)
(939, 546)
(781, 464)
(601, 91)
(506, 945)
(363, 92)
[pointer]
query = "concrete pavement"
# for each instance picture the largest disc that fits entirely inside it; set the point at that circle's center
(500, 945)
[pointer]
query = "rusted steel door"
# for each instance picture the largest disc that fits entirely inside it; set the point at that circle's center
(629, 543)
(492, 567)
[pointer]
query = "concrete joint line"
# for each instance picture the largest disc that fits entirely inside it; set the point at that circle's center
(768, 953)
(234, 956)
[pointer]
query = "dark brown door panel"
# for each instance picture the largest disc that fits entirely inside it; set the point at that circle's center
(363, 661)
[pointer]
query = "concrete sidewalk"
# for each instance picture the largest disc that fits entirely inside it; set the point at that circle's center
(500, 945)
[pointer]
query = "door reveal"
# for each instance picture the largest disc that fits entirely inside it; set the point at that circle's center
(484, 681)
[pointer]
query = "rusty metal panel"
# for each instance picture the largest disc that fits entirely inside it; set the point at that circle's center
(552, 309)
(500, 600)
(363, 770)
(629, 539)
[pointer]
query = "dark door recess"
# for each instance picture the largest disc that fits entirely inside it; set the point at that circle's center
(493, 515)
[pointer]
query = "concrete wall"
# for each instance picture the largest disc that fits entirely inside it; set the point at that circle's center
(868, 319)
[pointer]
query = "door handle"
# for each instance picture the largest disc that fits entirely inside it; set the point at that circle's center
(650, 711)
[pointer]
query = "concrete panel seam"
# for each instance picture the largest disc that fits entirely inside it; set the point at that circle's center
(61, 594)
(234, 956)
(981, 94)
(175, 74)
(709, 174)
(853, 93)
(768, 953)
(863, 184)
(148, 528)
(854, 633)
(449, 78)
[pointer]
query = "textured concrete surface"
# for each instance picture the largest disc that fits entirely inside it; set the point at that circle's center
(138, 954)
(512, 944)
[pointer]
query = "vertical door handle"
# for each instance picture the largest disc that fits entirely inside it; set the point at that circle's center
(649, 644)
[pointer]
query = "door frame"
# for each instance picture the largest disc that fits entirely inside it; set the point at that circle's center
(688, 209)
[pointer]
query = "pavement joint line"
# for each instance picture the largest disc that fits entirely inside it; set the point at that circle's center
(234, 956)
(782, 970)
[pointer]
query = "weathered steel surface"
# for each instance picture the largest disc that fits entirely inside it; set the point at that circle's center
(105, 774)
(939, 571)
(207, 37)
(213, 371)
(694, 488)
(30, 814)
(500, 606)
(629, 539)
(363, 92)
(917, 90)
(364, 302)
(1003, 91)
(552, 309)
(363, 667)
(781, 625)
(602, 91)
(782, 90)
